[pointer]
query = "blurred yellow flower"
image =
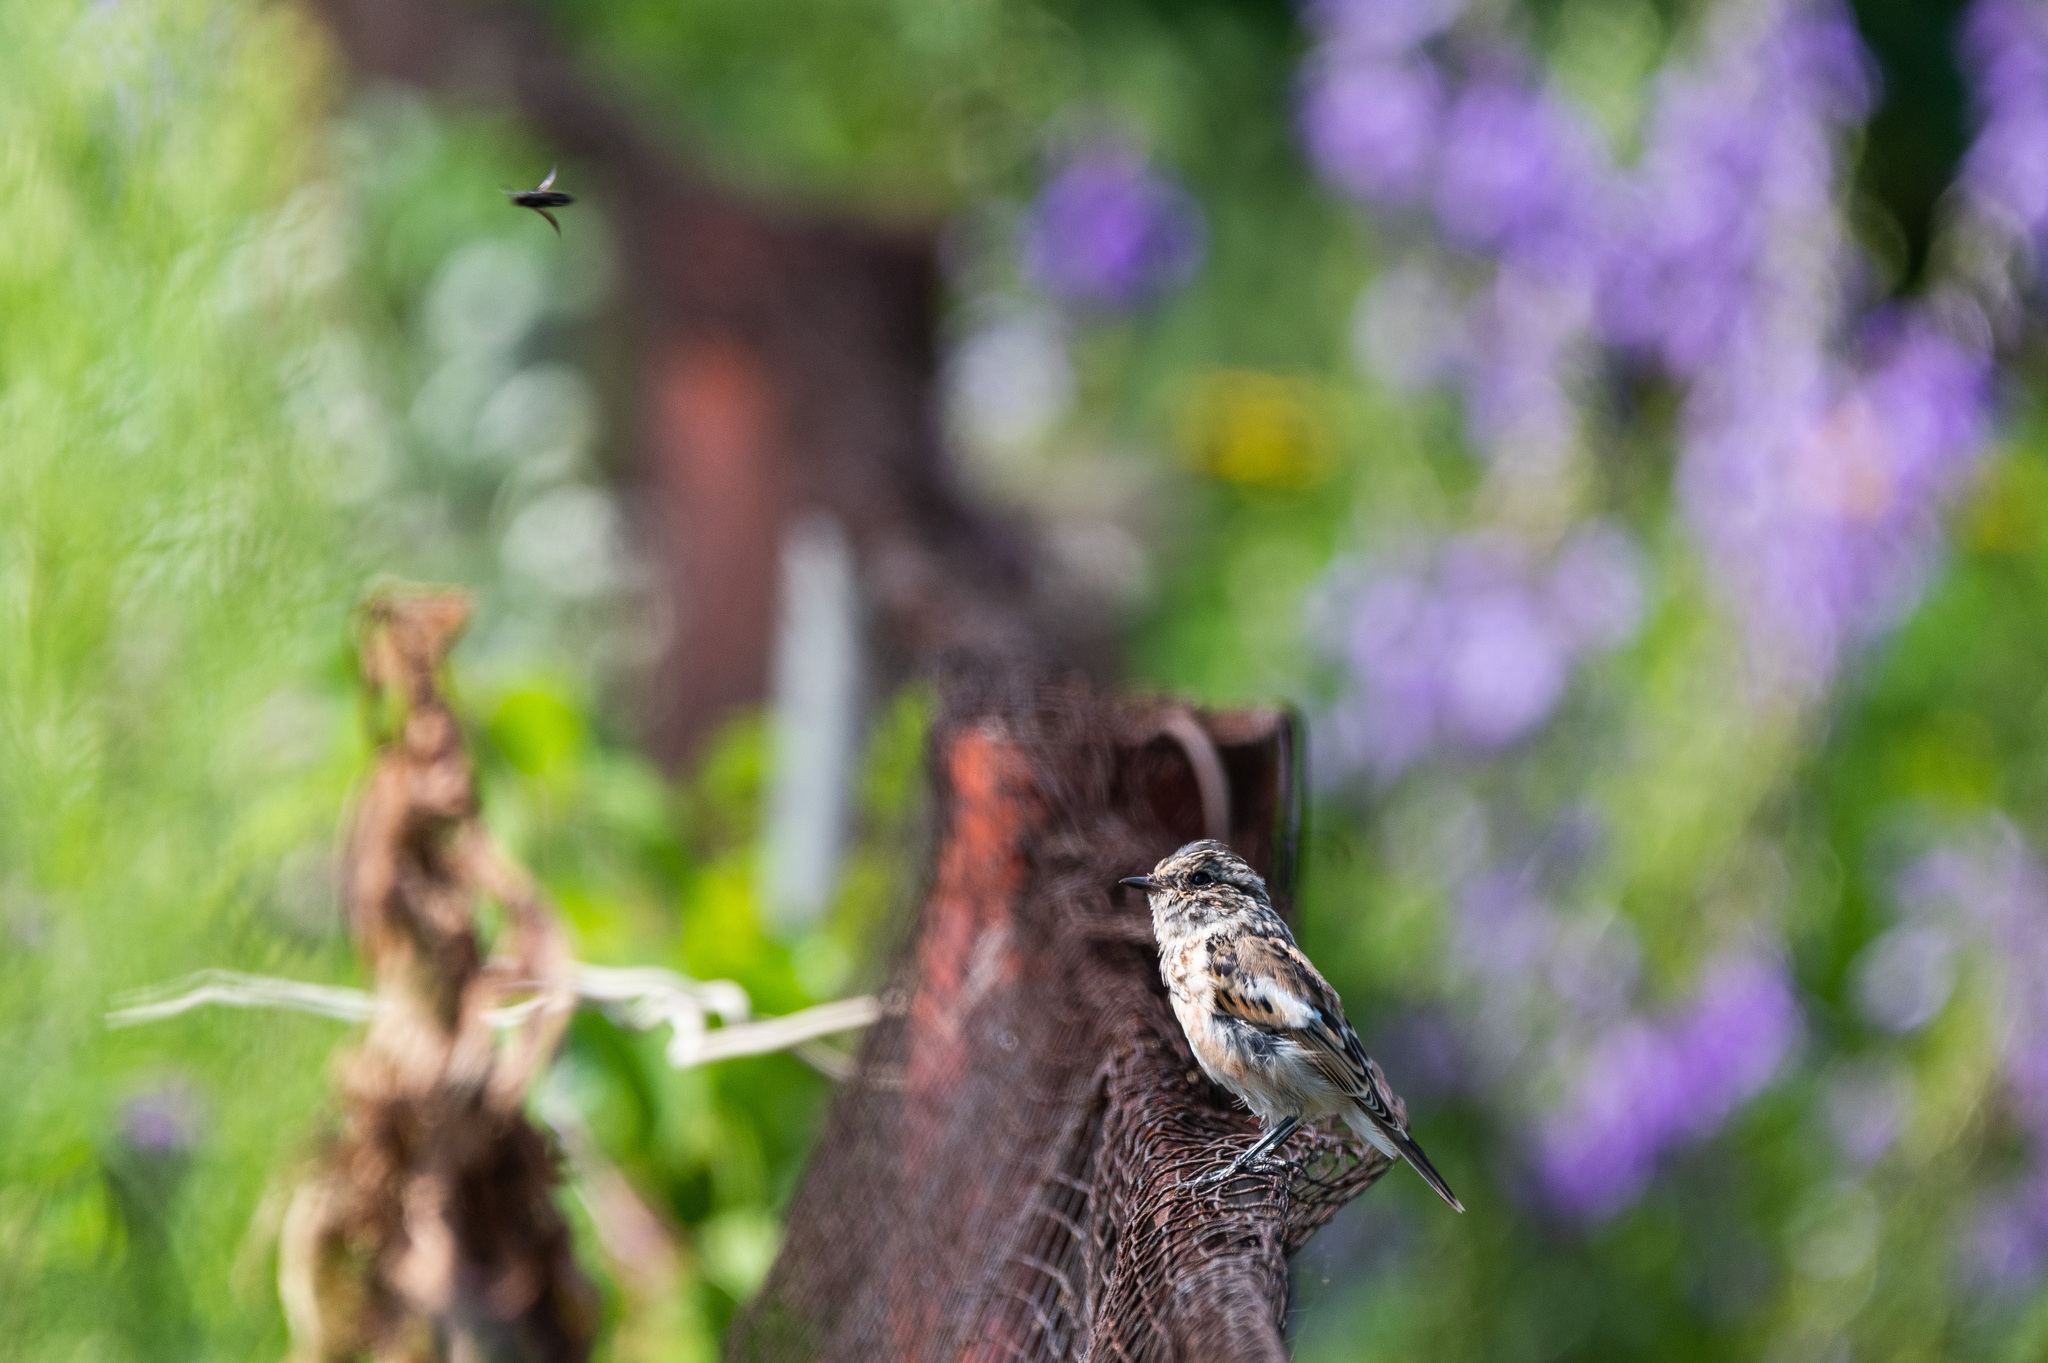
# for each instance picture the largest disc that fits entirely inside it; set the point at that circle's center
(2005, 515)
(1259, 429)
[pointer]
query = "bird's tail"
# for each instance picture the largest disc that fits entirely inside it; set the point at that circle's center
(1399, 1143)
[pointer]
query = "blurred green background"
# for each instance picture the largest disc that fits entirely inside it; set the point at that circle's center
(269, 336)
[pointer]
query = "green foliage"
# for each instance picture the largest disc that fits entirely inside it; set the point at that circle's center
(263, 343)
(222, 307)
(175, 580)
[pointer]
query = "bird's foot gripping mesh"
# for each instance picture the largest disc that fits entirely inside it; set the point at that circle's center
(1009, 1174)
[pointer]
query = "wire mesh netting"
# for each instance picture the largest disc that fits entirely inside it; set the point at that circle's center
(1005, 1175)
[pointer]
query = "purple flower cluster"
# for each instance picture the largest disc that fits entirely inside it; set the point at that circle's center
(1372, 105)
(1538, 973)
(2005, 46)
(1504, 166)
(1507, 172)
(1370, 129)
(1729, 239)
(1472, 649)
(1823, 440)
(1990, 892)
(1819, 503)
(1557, 992)
(1647, 1087)
(1518, 175)
(1109, 232)
(1814, 480)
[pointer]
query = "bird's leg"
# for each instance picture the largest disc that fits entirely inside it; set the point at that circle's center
(1272, 1140)
(1253, 1153)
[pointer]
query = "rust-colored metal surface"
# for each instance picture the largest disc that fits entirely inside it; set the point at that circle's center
(1005, 1176)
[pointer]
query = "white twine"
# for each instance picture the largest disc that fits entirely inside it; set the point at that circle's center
(640, 997)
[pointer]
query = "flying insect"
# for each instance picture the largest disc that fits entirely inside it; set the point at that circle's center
(541, 198)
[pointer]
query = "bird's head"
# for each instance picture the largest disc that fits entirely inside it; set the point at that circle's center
(1200, 884)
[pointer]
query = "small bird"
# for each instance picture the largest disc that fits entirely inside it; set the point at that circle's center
(542, 198)
(1262, 1020)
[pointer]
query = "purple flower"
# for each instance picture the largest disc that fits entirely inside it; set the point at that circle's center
(1378, 27)
(1107, 231)
(1989, 879)
(1517, 406)
(1596, 1157)
(1390, 721)
(1736, 185)
(1371, 126)
(1645, 1088)
(2005, 175)
(1821, 516)
(1519, 174)
(1742, 1023)
(1596, 588)
(1814, 484)
(1473, 652)
(162, 1121)
(1464, 656)
(1676, 281)
(2009, 1245)
(1814, 487)
(1503, 667)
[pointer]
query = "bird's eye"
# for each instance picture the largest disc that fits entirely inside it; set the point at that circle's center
(1201, 878)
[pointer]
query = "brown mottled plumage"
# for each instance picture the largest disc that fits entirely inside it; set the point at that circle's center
(1261, 1019)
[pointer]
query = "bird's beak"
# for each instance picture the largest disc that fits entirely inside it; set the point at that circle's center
(1145, 883)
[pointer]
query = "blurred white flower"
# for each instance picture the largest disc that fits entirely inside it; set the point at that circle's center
(1902, 979)
(1008, 384)
(1866, 1105)
(567, 541)
(544, 415)
(447, 406)
(486, 296)
(1096, 563)
(1409, 330)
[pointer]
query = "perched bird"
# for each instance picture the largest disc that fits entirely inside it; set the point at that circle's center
(1262, 1020)
(542, 198)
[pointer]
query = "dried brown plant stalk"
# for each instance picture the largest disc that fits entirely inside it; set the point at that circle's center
(429, 1230)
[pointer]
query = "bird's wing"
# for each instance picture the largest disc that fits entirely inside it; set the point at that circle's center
(551, 220)
(1268, 983)
(544, 184)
